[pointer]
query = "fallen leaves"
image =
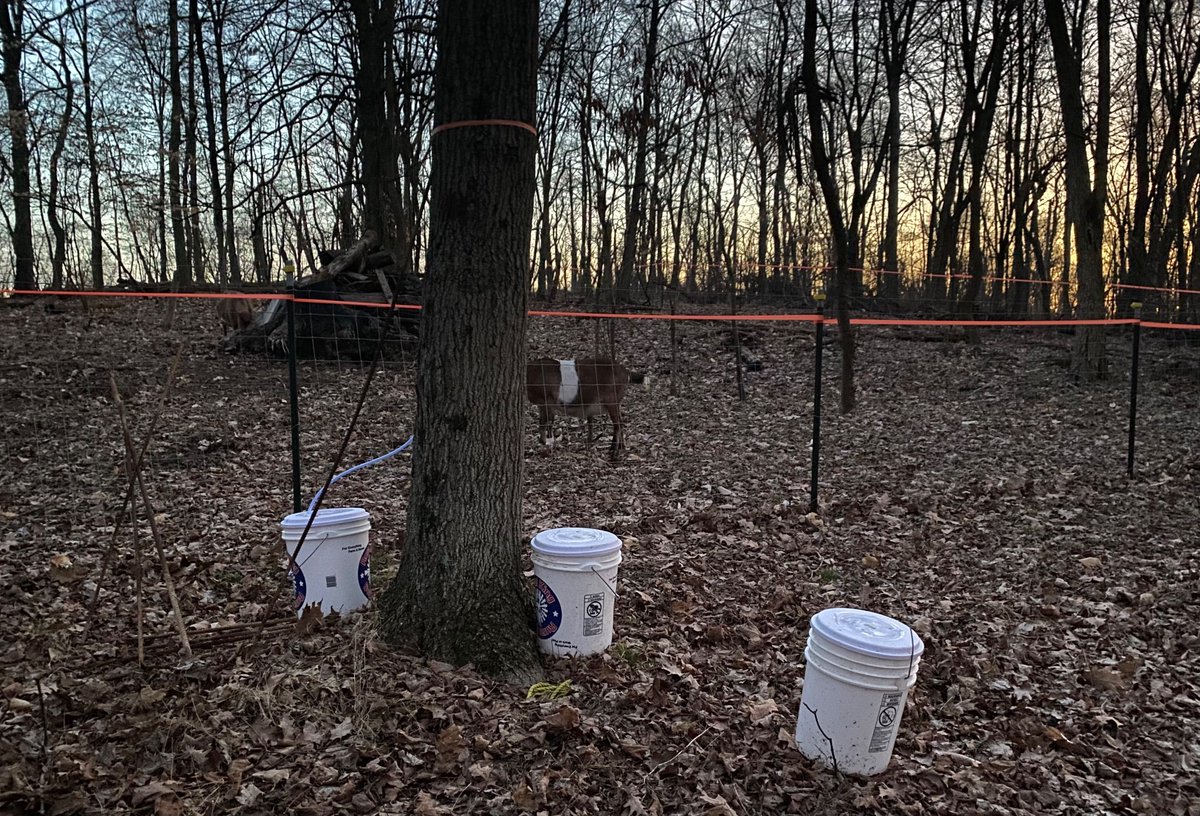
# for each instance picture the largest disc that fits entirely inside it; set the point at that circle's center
(1056, 599)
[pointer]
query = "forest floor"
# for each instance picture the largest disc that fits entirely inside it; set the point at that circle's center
(976, 493)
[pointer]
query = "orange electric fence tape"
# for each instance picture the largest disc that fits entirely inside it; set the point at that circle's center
(780, 318)
(1168, 290)
(1185, 326)
(871, 321)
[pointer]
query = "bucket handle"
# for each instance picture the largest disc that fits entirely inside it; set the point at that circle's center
(593, 568)
(301, 564)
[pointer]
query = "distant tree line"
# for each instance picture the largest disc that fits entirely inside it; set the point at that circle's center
(985, 156)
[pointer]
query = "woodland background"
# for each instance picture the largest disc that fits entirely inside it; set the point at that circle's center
(211, 142)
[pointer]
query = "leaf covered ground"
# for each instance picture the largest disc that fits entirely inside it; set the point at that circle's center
(976, 494)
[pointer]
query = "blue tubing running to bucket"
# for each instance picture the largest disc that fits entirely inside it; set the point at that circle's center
(358, 467)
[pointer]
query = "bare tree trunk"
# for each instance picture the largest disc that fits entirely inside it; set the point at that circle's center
(12, 26)
(896, 27)
(183, 266)
(214, 173)
(823, 167)
(548, 131)
(59, 257)
(1087, 186)
(374, 25)
(229, 238)
(635, 216)
(95, 212)
(462, 550)
(195, 238)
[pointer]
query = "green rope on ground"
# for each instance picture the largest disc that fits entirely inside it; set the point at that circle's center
(549, 691)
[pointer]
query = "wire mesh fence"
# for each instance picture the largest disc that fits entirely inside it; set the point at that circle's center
(727, 414)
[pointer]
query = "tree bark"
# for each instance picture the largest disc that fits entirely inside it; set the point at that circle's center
(183, 269)
(375, 24)
(637, 194)
(89, 129)
(210, 123)
(460, 594)
(12, 26)
(1087, 187)
(823, 167)
(58, 258)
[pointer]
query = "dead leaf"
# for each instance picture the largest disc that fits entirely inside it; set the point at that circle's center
(273, 776)
(565, 719)
(762, 710)
(1106, 679)
(150, 791)
(237, 770)
(523, 797)
(168, 805)
(311, 620)
(427, 806)
(342, 729)
(249, 795)
(1090, 563)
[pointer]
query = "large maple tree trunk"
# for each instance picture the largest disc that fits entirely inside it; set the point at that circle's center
(460, 594)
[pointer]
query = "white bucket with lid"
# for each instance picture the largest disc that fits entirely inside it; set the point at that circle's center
(575, 572)
(860, 666)
(334, 565)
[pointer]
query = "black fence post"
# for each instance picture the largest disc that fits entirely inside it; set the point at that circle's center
(293, 387)
(816, 432)
(1133, 382)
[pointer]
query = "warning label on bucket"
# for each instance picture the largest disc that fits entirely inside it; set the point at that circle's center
(885, 722)
(593, 608)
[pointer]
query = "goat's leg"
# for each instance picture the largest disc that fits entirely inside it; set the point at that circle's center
(618, 443)
(546, 424)
(591, 430)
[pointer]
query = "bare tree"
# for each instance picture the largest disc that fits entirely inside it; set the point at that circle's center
(175, 170)
(1087, 181)
(463, 545)
(12, 27)
(635, 213)
(815, 98)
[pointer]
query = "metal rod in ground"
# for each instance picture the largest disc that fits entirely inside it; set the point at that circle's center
(1133, 384)
(816, 430)
(294, 396)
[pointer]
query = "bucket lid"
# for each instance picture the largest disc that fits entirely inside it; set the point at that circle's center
(867, 633)
(326, 517)
(579, 542)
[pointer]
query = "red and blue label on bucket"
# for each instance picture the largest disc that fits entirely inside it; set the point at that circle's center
(549, 610)
(364, 572)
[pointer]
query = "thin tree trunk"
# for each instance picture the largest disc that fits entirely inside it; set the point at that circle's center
(59, 257)
(823, 168)
(214, 174)
(12, 26)
(183, 267)
(195, 239)
(635, 216)
(1087, 186)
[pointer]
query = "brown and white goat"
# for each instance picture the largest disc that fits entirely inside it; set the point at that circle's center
(583, 388)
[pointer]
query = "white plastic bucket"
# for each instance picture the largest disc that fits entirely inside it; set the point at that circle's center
(860, 666)
(575, 572)
(334, 565)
